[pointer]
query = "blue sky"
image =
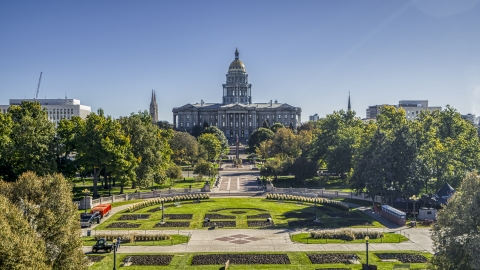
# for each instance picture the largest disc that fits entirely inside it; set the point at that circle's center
(111, 54)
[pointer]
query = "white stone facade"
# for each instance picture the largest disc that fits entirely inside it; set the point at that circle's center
(56, 109)
(237, 115)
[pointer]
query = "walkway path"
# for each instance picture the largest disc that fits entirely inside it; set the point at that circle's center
(257, 240)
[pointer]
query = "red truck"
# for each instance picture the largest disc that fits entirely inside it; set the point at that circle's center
(102, 209)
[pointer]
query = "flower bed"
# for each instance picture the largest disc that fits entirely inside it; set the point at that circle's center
(179, 216)
(132, 237)
(175, 224)
(95, 259)
(345, 234)
(213, 259)
(267, 215)
(134, 217)
(151, 259)
(221, 209)
(123, 225)
(155, 201)
(354, 222)
(259, 223)
(403, 257)
(332, 258)
(238, 212)
(336, 204)
(218, 216)
(304, 223)
(222, 223)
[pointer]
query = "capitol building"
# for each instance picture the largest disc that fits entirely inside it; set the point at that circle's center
(237, 115)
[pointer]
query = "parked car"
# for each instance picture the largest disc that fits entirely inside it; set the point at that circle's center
(86, 220)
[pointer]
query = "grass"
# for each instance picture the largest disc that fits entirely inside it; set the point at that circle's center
(329, 183)
(80, 185)
(388, 238)
(176, 239)
(355, 201)
(276, 210)
(298, 260)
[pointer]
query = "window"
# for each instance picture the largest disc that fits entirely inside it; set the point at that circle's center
(181, 124)
(236, 124)
(223, 124)
(243, 124)
(250, 116)
(279, 116)
(286, 116)
(223, 116)
(292, 116)
(188, 116)
(268, 116)
(429, 212)
(250, 124)
(188, 124)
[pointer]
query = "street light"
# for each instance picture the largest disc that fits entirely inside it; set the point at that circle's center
(163, 216)
(115, 246)
(414, 198)
(366, 243)
(85, 192)
(316, 218)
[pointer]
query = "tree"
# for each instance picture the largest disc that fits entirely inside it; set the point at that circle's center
(284, 143)
(46, 205)
(264, 149)
(303, 168)
(196, 131)
(174, 172)
(266, 124)
(276, 126)
(184, 147)
(258, 136)
(203, 167)
(456, 234)
(219, 134)
(30, 146)
(273, 168)
(20, 247)
(149, 146)
(212, 145)
(67, 140)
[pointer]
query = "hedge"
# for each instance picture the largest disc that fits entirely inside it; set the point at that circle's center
(132, 237)
(155, 201)
(345, 234)
(288, 197)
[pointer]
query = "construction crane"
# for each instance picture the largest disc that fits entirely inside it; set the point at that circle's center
(38, 87)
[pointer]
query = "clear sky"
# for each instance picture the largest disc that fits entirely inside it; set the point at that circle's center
(111, 54)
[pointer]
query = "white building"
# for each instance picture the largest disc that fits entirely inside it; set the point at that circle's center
(470, 117)
(314, 117)
(56, 109)
(412, 108)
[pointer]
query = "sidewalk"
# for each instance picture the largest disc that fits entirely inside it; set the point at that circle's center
(257, 240)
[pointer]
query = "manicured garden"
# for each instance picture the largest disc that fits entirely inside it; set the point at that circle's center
(141, 240)
(236, 213)
(307, 238)
(266, 260)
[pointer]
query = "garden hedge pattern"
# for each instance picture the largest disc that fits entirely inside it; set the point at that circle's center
(288, 197)
(213, 259)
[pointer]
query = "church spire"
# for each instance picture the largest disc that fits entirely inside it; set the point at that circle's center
(154, 108)
(349, 105)
(236, 54)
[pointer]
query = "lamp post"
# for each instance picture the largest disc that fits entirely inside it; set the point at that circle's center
(115, 245)
(366, 243)
(316, 218)
(85, 192)
(414, 199)
(109, 186)
(163, 216)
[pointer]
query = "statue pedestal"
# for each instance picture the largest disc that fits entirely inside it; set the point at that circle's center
(206, 187)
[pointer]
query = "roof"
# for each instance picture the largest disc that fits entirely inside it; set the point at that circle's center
(444, 193)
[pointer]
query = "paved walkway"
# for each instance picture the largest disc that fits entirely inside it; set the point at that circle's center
(243, 240)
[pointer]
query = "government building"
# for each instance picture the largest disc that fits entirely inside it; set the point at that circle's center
(57, 109)
(237, 115)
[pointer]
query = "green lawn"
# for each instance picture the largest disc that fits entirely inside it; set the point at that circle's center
(388, 238)
(176, 239)
(329, 183)
(298, 260)
(79, 186)
(303, 211)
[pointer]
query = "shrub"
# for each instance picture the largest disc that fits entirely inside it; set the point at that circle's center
(155, 201)
(132, 237)
(332, 203)
(345, 234)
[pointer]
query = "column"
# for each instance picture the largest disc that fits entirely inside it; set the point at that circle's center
(175, 120)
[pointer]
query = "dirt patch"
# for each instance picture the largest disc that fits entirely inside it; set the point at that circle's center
(151, 259)
(179, 216)
(259, 223)
(267, 215)
(332, 258)
(230, 223)
(213, 259)
(403, 257)
(173, 224)
(123, 225)
(95, 258)
(238, 212)
(134, 217)
(218, 216)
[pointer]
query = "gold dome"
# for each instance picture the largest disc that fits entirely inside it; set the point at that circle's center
(237, 65)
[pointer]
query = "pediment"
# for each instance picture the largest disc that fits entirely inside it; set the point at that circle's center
(235, 107)
(186, 106)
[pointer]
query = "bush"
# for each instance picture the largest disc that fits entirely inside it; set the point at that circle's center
(132, 237)
(332, 203)
(345, 234)
(155, 201)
